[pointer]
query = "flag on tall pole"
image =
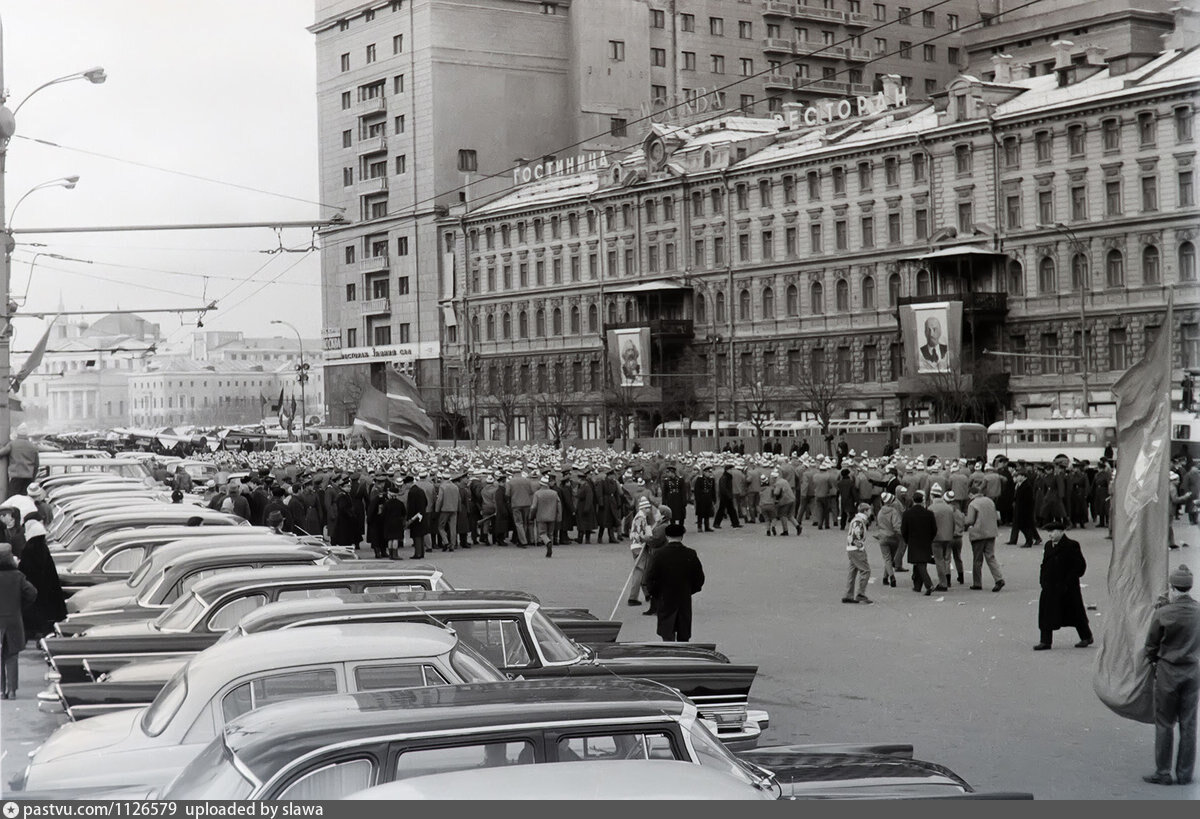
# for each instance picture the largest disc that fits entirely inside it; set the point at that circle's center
(398, 413)
(277, 406)
(34, 360)
(1137, 572)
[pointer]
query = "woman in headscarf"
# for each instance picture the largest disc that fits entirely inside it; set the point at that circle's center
(16, 595)
(38, 567)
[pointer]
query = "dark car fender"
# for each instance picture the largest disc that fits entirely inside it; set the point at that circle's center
(83, 700)
(67, 654)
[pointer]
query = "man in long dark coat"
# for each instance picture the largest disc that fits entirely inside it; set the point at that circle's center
(675, 493)
(418, 517)
(673, 576)
(918, 527)
(1061, 601)
(502, 522)
(585, 507)
(608, 508)
(1024, 521)
(705, 494)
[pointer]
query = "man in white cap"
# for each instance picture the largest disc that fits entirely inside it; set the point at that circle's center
(1173, 649)
(23, 462)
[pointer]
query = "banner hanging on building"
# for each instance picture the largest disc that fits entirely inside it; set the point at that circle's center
(629, 356)
(932, 335)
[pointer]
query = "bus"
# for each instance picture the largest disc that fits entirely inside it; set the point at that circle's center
(1043, 440)
(946, 441)
(698, 429)
(1185, 434)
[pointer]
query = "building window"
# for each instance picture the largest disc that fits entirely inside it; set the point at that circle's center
(747, 66)
(929, 53)
(864, 176)
(716, 63)
(814, 237)
(658, 57)
(1183, 124)
(1110, 134)
(689, 61)
(1117, 348)
(701, 309)
(347, 139)
(401, 164)
(905, 50)
(1150, 193)
(718, 251)
(817, 299)
(687, 22)
(789, 243)
(918, 167)
(1012, 211)
(743, 247)
(1150, 267)
(398, 84)
(1187, 262)
(1186, 195)
(658, 18)
(351, 292)
(868, 293)
(346, 100)
(347, 177)
(842, 296)
(891, 171)
(371, 59)
(816, 365)
(764, 193)
(962, 160)
(1147, 125)
(616, 50)
(868, 231)
(1076, 141)
(744, 305)
(870, 363)
(1045, 207)
(1114, 265)
(716, 26)
(792, 301)
(746, 30)
(557, 322)
(345, 62)
(839, 181)
(1078, 202)
(966, 221)
(720, 309)
(924, 283)
(768, 303)
(840, 238)
(1112, 198)
(894, 290)
(845, 368)
(352, 337)
(768, 245)
(1047, 280)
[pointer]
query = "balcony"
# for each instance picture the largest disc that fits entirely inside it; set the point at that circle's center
(804, 12)
(781, 81)
(377, 185)
(858, 19)
(373, 105)
(373, 307)
(372, 145)
(979, 303)
(827, 86)
(780, 8)
(779, 45)
(860, 89)
(832, 52)
(858, 55)
(659, 328)
(373, 264)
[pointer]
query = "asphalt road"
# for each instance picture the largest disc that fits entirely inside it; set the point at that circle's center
(953, 674)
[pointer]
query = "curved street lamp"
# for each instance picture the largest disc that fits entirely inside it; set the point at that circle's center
(302, 373)
(93, 75)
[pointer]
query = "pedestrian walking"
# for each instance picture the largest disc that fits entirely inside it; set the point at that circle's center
(918, 528)
(859, 573)
(943, 513)
(417, 506)
(888, 535)
(23, 461)
(16, 595)
(547, 510)
(726, 500)
(1173, 649)
(983, 522)
(1024, 519)
(674, 575)
(705, 492)
(38, 567)
(1061, 601)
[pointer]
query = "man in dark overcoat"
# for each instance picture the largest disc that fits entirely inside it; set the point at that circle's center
(675, 493)
(608, 507)
(918, 528)
(1024, 520)
(585, 507)
(502, 522)
(1061, 600)
(418, 517)
(673, 576)
(705, 494)
(1172, 648)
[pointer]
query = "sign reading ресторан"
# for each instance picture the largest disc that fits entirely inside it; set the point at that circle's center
(590, 161)
(797, 115)
(385, 352)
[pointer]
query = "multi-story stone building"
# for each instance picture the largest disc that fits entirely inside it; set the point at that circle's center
(428, 104)
(762, 254)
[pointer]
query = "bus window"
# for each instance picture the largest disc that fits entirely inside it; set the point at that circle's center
(906, 438)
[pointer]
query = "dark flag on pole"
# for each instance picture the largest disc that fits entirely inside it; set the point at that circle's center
(398, 413)
(277, 406)
(1137, 572)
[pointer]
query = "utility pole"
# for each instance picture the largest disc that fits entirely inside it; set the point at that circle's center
(301, 374)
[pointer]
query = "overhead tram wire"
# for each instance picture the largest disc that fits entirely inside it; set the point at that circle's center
(213, 276)
(412, 210)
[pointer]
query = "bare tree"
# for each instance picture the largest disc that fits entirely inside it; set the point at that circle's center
(502, 394)
(823, 393)
(969, 395)
(556, 405)
(759, 399)
(681, 396)
(621, 403)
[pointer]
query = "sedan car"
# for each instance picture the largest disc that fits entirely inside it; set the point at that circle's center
(330, 747)
(83, 531)
(510, 628)
(150, 745)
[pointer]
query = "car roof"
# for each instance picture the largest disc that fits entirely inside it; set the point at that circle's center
(268, 738)
(186, 555)
(213, 587)
(579, 780)
(111, 540)
(282, 614)
(334, 644)
(156, 511)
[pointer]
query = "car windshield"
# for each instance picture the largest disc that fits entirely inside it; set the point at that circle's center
(160, 712)
(232, 634)
(87, 561)
(441, 584)
(140, 574)
(211, 775)
(556, 647)
(473, 666)
(711, 753)
(182, 615)
(147, 593)
(60, 525)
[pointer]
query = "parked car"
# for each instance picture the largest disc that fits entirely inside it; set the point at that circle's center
(172, 576)
(114, 557)
(151, 745)
(617, 779)
(56, 464)
(83, 532)
(330, 747)
(510, 628)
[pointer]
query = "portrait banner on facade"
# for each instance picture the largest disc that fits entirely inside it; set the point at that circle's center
(629, 353)
(932, 337)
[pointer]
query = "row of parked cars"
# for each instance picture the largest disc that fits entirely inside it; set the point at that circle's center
(224, 661)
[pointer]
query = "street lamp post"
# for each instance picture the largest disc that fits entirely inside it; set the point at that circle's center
(302, 374)
(8, 127)
(1078, 248)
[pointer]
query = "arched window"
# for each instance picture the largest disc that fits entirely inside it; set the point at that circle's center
(1047, 280)
(1114, 268)
(491, 327)
(720, 307)
(1187, 262)
(505, 326)
(701, 310)
(540, 323)
(817, 299)
(523, 324)
(842, 293)
(744, 305)
(868, 293)
(593, 318)
(893, 290)
(1079, 271)
(612, 312)
(768, 303)
(575, 329)
(1150, 268)
(628, 310)
(793, 300)
(924, 283)
(556, 321)
(475, 327)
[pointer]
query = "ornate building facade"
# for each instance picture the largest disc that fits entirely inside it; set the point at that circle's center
(766, 254)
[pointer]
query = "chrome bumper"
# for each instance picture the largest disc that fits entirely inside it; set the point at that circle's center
(48, 702)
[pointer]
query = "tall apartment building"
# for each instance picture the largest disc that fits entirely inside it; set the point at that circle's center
(427, 104)
(1127, 32)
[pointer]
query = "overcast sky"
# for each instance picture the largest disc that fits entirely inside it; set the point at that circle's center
(222, 89)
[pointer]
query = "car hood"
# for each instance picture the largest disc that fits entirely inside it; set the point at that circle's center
(818, 775)
(113, 595)
(147, 671)
(133, 627)
(89, 737)
(620, 653)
